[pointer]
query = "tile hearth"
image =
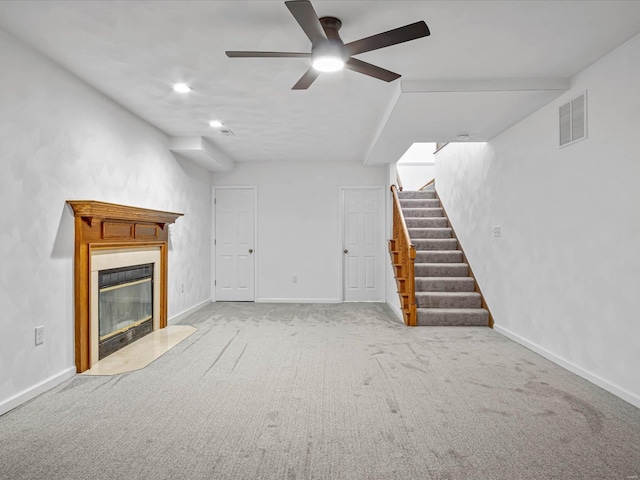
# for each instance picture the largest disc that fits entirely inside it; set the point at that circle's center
(142, 352)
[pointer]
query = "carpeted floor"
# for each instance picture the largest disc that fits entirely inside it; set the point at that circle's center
(265, 391)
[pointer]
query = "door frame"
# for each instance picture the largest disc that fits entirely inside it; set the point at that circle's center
(381, 189)
(256, 249)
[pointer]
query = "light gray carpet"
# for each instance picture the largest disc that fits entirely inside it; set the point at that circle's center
(326, 392)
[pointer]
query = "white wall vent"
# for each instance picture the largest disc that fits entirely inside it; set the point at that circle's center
(573, 120)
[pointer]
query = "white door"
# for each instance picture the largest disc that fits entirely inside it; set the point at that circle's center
(234, 244)
(363, 244)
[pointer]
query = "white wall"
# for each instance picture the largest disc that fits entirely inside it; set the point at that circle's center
(564, 278)
(299, 231)
(417, 166)
(62, 140)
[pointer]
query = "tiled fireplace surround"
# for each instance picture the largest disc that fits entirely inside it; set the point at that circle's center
(110, 236)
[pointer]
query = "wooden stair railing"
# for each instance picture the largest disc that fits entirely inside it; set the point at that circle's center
(403, 255)
(430, 182)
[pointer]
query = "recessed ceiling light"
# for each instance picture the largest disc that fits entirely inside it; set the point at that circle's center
(215, 123)
(463, 137)
(181, 88)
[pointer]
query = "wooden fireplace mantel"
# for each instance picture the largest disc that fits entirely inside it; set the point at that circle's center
(91, 209)
(109, 226)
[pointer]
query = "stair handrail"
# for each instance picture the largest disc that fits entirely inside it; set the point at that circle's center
(404, 254)
(430, 182)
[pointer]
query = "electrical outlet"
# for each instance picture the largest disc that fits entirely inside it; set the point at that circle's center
(295, 279)
(497, 231)
(182, 288)
(40, 335)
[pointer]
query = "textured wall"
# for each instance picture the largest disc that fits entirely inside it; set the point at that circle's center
(299, 231)
(565, 275)
(60, 140)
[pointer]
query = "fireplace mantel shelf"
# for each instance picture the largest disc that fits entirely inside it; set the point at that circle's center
(92, 209)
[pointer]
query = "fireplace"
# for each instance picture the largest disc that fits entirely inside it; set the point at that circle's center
(120, 264)
(124, 297)
(125, 306)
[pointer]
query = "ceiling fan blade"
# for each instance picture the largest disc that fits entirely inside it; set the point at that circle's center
(386, 39)
(306, 16)
(371, 70)
(234, 54)
(306, 80)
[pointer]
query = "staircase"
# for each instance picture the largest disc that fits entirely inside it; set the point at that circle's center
(445, 293)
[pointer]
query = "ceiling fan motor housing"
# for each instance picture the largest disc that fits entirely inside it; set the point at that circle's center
(330, 23)
(329, 55)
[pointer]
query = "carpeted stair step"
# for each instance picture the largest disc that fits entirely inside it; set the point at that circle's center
(441, 269)
(426, 222)
(435, 243)
(448, 300)
(429, 233)
(420, 194)
(439, 256)
(468, 317)
(420, 203)
(445, 284)
(422, 212)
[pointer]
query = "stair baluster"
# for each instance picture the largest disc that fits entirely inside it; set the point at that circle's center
(403, 254)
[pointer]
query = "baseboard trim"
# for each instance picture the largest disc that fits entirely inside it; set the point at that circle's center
(398, 313)
(298, 300)
(36, 390)
(596, 380)
(189, 311)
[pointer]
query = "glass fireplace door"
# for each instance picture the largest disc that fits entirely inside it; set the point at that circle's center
(125, 306)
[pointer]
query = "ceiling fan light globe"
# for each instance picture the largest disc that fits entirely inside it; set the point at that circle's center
(181, 88)
(328, 57)
(328, 63)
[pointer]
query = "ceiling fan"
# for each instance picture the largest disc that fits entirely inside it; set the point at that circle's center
(329, 53)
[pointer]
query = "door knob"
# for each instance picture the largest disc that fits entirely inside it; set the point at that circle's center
(346, 251)
(251, 250)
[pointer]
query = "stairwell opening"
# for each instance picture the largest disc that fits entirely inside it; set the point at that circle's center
(416, 166)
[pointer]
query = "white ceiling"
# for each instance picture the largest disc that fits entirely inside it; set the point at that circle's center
(486, 65)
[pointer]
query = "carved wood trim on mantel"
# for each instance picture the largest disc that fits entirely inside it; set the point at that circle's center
(101, 225)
